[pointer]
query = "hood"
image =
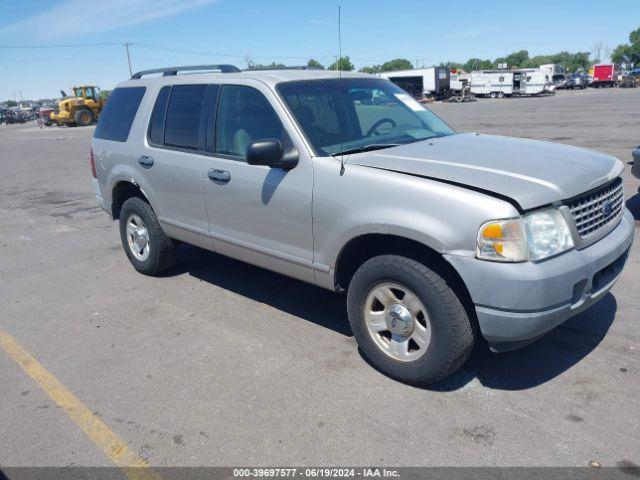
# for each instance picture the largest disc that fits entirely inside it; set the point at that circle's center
(530, 172)
(71, 101)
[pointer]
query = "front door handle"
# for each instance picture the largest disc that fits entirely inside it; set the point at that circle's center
(221, 176)
(145, 161)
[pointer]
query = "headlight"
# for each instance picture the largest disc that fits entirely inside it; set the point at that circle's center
(534, 236)
(547, 233)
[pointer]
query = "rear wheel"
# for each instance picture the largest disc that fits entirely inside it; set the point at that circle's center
(407, 321)
(148, 248)
(500, 95)
(83, 117)
(493, 94)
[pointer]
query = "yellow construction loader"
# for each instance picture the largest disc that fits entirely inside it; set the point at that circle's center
(83, 108)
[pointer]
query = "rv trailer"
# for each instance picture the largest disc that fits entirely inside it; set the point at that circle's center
(422, 82)
(536, 81)
(492, 83)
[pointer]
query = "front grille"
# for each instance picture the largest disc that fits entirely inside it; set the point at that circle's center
(597, 209)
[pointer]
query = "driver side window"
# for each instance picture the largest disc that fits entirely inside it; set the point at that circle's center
(245, 116)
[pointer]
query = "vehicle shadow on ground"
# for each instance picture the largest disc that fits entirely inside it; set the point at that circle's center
(540, 361)
(519, 370)
(314, 304)
(633, 204)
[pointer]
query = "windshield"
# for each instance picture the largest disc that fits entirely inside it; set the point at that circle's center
(340, 115)
(78, 92)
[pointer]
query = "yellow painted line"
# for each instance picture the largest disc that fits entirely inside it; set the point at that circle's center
(134, 467)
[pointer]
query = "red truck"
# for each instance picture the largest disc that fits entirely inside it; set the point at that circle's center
(604, 75)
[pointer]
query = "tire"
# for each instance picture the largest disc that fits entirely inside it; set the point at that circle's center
(451, 335)
(493, 94)
(83, 117)
(500, 95)
(161, 251)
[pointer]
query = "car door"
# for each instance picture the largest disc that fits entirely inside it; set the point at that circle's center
(171, 163)
(258, 214)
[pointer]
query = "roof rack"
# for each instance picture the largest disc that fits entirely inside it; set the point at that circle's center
(171, 71)
(298, 67)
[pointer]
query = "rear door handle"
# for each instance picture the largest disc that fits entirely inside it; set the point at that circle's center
(221, 176)
(146, 161)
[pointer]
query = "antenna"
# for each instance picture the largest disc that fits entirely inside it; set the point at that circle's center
(339, 41)
(126, 46)
(340, 78)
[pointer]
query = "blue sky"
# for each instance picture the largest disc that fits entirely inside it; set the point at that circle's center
(287, 31)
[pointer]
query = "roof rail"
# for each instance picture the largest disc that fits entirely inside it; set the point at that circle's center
(171, 71)
(298, 67)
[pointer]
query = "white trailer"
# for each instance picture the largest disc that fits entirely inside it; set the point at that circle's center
(536, 81)
(422, 82)
(492, 83)
(501, 83)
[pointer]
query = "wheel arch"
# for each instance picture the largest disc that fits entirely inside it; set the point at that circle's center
(121, 192)
(366, 246)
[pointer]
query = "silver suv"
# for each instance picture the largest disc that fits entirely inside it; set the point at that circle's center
(346, 182)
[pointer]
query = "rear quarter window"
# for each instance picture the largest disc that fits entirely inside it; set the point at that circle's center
(117, 117)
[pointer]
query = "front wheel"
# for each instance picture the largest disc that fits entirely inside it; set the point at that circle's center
(148, 248)
(83, 117)
(407, 321)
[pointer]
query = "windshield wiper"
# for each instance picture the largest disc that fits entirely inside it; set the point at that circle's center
(366, 148)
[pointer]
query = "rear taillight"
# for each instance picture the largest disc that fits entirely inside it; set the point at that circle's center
(92, 163)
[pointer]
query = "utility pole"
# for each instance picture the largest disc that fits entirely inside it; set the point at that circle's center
(126, 46)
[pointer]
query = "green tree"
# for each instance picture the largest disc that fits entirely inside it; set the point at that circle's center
(260, 66)
(477, 64)
(372, 69)
(11, 103)
(104, 94)
(343, 64)
(515, 59)
(315, 64)
(628, 52)
(396, 64)
(622, 54)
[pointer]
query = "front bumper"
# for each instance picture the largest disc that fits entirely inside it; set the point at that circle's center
(61, 117)
(518, 302)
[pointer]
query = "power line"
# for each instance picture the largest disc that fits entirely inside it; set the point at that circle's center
(66, 45)
(177, 50)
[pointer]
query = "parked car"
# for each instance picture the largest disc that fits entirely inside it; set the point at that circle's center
(435, 236)
(14, 116)
(635, 169)
(559, 81)
(589, 80)
(577, 80)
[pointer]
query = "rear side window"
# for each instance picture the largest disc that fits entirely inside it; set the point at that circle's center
(156, 126)
(118, 114)
(182, 122)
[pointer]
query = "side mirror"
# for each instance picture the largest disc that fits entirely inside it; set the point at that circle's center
(269, 152)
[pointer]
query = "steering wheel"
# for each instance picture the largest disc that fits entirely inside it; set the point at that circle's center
(376, 125)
